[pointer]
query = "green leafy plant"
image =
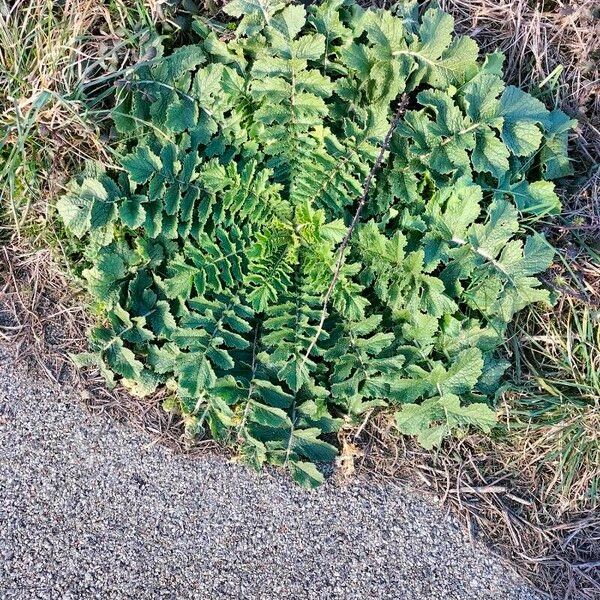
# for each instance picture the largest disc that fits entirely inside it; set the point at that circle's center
(319, 213)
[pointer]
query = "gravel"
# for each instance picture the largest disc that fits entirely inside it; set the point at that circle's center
(90, 509)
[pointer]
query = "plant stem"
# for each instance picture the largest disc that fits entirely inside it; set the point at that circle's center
(361, 202)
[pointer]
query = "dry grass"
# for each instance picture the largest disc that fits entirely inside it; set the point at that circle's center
(552, 47)
(52, 55)
(39, 316)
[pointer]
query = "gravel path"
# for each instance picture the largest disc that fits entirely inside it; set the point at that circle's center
(89, 509)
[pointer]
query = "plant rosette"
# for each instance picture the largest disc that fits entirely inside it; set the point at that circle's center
(223, 255)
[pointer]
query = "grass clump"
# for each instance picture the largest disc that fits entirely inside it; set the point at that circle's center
(563, 412)
(57, 61)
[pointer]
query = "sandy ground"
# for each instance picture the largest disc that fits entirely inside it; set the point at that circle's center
(90, 509)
